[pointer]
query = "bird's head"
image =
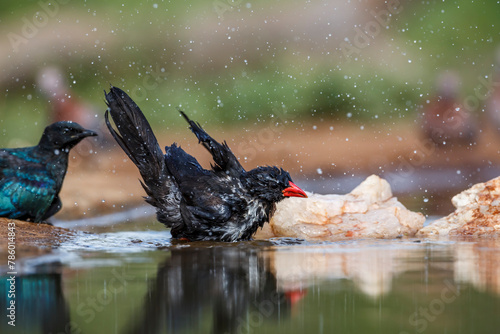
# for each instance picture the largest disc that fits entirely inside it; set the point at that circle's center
(64, 135)
(271, 184)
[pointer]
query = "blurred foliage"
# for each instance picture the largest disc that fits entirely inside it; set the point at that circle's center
(154, 64)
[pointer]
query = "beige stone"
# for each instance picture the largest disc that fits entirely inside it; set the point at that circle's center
(369, 211)
(477, 213)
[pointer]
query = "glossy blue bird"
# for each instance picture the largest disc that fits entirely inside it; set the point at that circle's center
(31, 177)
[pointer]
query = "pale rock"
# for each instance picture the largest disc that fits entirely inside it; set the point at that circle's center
(477, 213)
(369, 211)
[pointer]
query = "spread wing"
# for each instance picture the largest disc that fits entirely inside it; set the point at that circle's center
(207, 200)
(210, 205)
(200, 189)
(224, 159)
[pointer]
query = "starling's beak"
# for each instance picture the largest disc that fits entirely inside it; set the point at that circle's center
(293, 191)
(87, 133)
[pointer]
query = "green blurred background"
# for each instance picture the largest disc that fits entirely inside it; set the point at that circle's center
(239, 62)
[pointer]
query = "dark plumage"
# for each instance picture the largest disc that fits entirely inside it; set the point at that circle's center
(224, 203)
(31, 177)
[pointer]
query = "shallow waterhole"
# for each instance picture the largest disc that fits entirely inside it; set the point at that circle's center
(122, 273)
(131, 277)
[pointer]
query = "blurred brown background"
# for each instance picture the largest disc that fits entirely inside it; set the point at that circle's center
(331, 91)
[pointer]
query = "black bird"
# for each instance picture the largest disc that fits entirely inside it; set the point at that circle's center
(31, 177)
(225, 203)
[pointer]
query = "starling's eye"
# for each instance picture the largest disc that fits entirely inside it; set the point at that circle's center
(66, 131)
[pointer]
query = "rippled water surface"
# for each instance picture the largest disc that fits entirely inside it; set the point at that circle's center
(124, 280)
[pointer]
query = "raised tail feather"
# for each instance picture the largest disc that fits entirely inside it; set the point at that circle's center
(136, 138)
(134, 135)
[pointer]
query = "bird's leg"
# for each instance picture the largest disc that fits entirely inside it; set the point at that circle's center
(46, 223)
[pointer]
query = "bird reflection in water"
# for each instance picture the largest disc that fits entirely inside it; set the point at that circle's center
(40, 306)
(212, 287)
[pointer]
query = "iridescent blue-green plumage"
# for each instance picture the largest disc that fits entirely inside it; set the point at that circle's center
(31, 177)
